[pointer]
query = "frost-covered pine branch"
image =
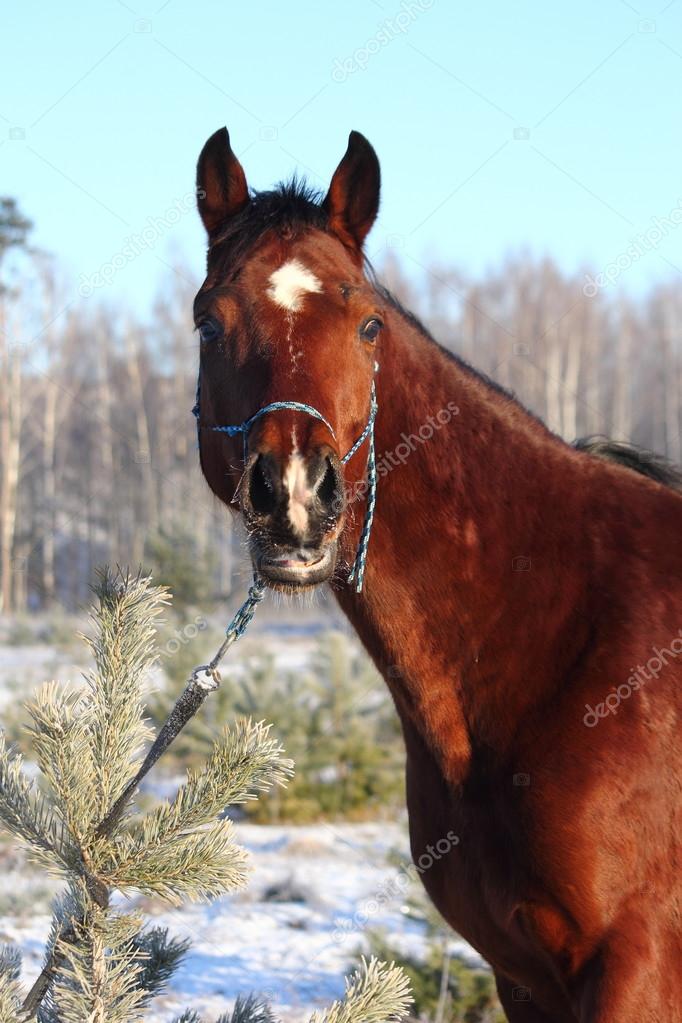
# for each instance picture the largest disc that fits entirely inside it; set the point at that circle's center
(376, 993)
(26, 812)
(101, 964)
(10, 989)
(180, 850)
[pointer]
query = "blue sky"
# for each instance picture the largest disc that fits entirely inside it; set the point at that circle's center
(552, 127)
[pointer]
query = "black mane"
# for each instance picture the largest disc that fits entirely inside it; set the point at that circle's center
(288, 207)
(644, 462)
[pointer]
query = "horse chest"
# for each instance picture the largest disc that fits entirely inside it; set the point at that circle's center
(469, 862)
(459, 862)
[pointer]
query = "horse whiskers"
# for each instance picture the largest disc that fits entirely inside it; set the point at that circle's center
(304, 597)
(237, 496)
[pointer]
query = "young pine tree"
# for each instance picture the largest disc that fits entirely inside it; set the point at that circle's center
(102, 965)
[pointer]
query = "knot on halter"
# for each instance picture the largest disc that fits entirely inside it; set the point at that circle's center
(357, 572)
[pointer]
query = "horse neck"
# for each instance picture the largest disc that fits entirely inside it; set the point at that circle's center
(461, 563)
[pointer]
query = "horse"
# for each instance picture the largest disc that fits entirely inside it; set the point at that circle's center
(521, 596)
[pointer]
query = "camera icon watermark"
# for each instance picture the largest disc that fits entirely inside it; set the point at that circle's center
(142, 456)
(520, 994)
(142, 25)
(521, 564)
(521, 780)
(268, 133)
(646, 26)
(521, 133)
(519, 348)
(16, 133)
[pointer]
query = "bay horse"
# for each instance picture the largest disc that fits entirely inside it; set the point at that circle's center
(522, 597)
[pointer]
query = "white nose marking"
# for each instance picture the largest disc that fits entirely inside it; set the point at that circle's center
(296, 485)
(291, 283)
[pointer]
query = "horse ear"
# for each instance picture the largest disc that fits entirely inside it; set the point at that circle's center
(221, 183)
(352, 201)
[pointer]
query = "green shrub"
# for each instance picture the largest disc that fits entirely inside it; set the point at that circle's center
(444, 988)
(20, 633)
(338, 723)
(176, 563)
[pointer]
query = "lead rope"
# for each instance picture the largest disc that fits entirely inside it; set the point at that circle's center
(206, 678)
(239, 623)
(357, 572)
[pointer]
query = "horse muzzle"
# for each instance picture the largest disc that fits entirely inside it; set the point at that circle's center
(293, 508)
(299, 568)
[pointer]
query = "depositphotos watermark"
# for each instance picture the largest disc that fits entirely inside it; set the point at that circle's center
(390, 28)
(135, 244)
(181, 637)
(639, 677)
(642, 244)
(397, 885)
(409, 442)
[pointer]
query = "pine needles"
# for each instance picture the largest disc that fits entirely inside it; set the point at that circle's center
(101, 964)
(376, 993)
(10, 991)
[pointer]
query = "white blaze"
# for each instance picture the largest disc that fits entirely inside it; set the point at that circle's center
(296, 485)
(290, 283)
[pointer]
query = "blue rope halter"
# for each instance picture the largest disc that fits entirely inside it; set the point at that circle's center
(357, 572)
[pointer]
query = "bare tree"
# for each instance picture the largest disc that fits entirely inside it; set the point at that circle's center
(98, 449)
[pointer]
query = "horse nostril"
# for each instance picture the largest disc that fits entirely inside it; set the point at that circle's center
(330, 490)
(262, 493)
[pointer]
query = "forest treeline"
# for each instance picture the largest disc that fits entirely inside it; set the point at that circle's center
(98, 459)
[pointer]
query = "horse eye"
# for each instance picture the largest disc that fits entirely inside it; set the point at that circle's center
(208, 331)
(370, 330)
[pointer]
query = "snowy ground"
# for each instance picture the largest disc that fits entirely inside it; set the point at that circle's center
(301, 924)
(290, 936)
(295, 952)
